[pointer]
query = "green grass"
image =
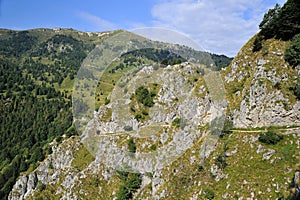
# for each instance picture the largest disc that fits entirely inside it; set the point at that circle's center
(247, 165)
(82, 158)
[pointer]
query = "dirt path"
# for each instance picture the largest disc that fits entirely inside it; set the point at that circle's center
(264, 131)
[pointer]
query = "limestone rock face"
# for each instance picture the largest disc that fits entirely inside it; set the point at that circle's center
(48, 171)
(258, 89)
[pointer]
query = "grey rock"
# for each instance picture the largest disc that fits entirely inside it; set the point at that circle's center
(231, 153)
(261, 62)
(268, 155)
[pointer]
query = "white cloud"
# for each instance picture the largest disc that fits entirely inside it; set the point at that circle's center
(218, 26)
(98, 23)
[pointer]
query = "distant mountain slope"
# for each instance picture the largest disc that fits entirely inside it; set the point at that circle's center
(37, 68)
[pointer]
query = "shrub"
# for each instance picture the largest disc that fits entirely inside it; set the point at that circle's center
(144, 96)
(138, 117)
(176, 122)
(165, 62)
(153, 147)
(209, 194)
(220, 161)
(59, 139)
(131, 146)
(132, 182)
(270, 137)
(144, 112)
(132, 108)
(106, 101)
(257, 44)
(148, 102)
(292, 53)
(296, 90)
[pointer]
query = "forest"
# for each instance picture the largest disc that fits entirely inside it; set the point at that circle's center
(35, 107)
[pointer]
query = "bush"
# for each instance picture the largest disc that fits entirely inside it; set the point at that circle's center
(106, 101)
(165, 62)
(144, 112)
(292, 53)
(138, 117)
(209, 194)
(257, 44)
(131, 146)
(132, 182)
(176, 122)
(132, 109)
(144, 96)
(153, 147)
(270, 138)
(296, 90)
(220, 161)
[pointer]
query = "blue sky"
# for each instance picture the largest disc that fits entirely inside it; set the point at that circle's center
(219, 26)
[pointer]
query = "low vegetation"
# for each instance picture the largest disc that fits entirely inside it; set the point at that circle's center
(144, 96)
(82, 158)
(131, 146)
(292, 53)
(270, 137)
(131, 182)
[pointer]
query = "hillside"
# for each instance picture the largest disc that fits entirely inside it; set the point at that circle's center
(258, 160)
(37, 73)
(114, 115)
(261, 87)
(38, 69)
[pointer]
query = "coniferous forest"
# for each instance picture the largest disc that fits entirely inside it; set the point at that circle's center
(35, 106)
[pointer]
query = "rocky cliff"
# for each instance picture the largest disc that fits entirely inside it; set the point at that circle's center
(258, 87)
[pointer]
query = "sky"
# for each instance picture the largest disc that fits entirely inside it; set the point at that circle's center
(218, 26)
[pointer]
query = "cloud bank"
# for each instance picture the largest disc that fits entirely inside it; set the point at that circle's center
(218, 26)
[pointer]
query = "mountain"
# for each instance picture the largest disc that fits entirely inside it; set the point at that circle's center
(38, 68)
(161, 122)
(251, 158)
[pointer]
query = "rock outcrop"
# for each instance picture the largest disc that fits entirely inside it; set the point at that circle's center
(49, 170)
(258, 88)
